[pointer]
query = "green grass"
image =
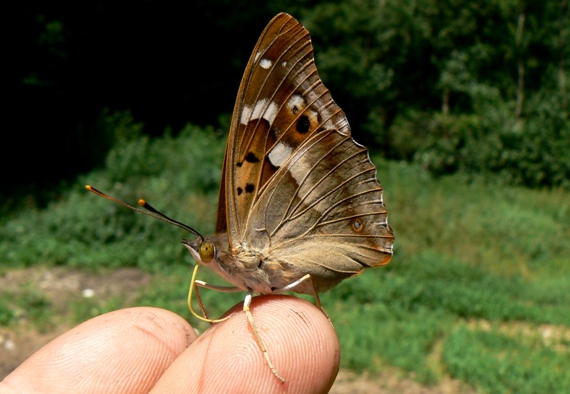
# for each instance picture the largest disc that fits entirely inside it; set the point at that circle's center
(29, 304)
(503, 364)
(475, 263)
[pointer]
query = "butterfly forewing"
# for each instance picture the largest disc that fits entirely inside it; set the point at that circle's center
(280, 104)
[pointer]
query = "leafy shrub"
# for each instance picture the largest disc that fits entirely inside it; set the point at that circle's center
(179, 174)
(533, 152)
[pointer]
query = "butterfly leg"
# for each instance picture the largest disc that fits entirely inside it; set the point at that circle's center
(199, 298)
(307, 277)
(246, 309)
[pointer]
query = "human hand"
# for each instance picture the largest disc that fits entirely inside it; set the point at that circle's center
(151, 350)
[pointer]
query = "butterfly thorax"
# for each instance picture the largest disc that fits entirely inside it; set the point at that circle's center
(245, 267)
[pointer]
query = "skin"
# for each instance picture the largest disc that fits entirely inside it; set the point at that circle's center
(151, 350)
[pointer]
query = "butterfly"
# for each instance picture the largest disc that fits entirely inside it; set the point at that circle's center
(300, 208)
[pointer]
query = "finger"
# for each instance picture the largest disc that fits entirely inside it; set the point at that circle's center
(300, 341)
(125, 351)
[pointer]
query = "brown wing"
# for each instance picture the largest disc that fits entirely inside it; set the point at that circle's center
(323, 211)
(298, 187)
(281, 103)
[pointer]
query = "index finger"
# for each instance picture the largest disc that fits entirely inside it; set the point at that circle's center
(300, 341)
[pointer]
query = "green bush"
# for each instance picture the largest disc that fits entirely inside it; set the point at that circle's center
(177, 175)
(533, 152)
(437, 83)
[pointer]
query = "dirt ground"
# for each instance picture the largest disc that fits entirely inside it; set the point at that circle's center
(60, 283)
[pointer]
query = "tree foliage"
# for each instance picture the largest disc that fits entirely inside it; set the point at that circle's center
(476, 87)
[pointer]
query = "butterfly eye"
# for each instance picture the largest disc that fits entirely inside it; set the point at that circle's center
(206, 251)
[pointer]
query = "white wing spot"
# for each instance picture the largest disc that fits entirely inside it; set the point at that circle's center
(259, 106)
(271, 112)
(257, 55)
(265, 63)
(245, 115)
(259, 111)
(296, 103)
(284, 64)
(279, 154)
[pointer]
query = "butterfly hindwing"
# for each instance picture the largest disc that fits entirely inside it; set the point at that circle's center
(323, 211)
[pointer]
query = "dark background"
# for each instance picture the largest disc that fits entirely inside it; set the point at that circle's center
(166, 65)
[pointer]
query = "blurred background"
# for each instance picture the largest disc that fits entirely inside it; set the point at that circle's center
(464, 106)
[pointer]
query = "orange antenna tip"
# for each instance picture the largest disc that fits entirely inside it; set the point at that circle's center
(152, 212)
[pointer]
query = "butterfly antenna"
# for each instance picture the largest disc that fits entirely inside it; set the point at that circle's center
(150, 211)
